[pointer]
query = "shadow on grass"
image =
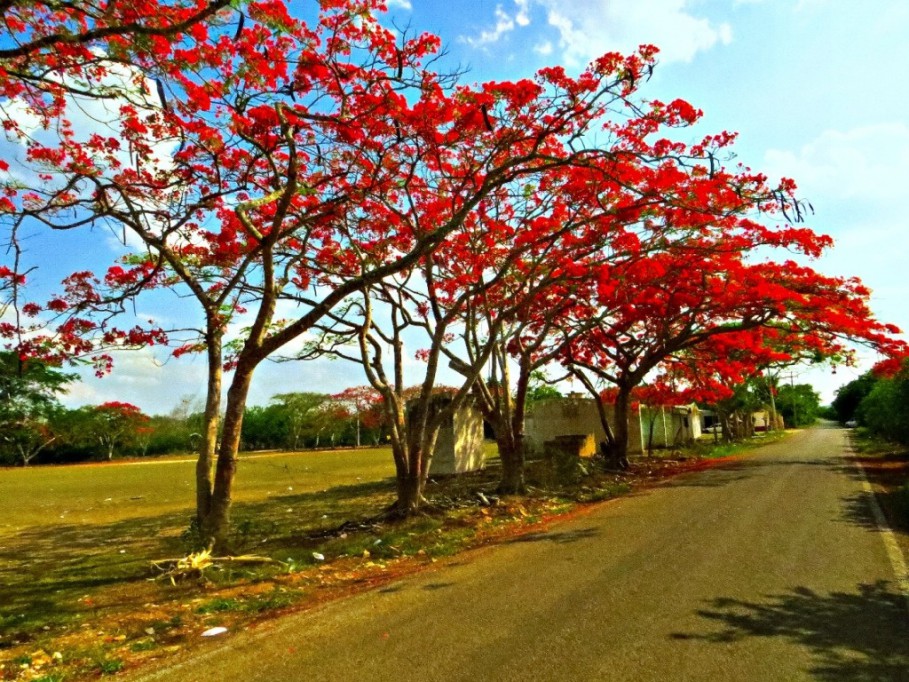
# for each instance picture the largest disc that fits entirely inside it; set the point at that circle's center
(860, 635)
(55, 575)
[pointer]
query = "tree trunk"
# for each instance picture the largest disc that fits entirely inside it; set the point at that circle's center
(209, 444)
(513, 459)
(217, 522)
(620, 433)
(512, 456)
(410, 495)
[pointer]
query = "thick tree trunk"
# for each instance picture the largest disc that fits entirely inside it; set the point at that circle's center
(620, 433)
(512, 456)
(410, 495)
(217, 522)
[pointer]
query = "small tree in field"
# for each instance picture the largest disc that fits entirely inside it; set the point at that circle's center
(365, 406)
(116, 425)
(28, 399)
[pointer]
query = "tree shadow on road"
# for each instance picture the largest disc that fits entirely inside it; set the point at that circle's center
(857, 511)
(861, 635)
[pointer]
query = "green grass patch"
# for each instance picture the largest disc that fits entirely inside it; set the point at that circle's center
(604, 491)
(706, 447)
(143, 645)
(75, 540)
(109, 666)
(220, 606)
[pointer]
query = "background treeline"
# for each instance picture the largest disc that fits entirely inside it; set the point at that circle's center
(878, 403)
(36, 428)
(787, 405)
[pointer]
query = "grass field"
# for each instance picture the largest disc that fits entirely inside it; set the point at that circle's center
(76, 541)
(106, 493)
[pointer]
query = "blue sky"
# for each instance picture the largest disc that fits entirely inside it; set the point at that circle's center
(817, 90)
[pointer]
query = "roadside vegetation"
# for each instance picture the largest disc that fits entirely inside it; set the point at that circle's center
(876, 406)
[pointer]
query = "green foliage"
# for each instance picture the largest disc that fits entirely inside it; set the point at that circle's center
(538, 389)
(885, 410)
(109, 666)
(800, 405)
(294, 421)
(28, 404)
(304, 415)
(850, 396)
(828, 412)
(264, 427)
(220, 605)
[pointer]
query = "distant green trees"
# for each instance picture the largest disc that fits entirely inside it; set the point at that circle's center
(881, 404)
(800, 404)
(28, 406)
(310, 420)
(34, 426)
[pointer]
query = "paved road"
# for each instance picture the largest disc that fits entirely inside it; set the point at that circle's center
(767, 569)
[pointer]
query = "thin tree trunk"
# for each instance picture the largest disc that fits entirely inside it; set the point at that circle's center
(212, 417)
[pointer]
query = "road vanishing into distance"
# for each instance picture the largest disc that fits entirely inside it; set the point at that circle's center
(770, 568)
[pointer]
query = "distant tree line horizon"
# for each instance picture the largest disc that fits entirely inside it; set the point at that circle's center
(38, 429)
(35, 428)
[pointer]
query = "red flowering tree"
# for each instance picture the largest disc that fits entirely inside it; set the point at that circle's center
(116, 424)
(270, 154)
(728, 316)
(365, 405)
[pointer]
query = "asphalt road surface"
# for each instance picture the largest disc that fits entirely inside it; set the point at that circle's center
(771, 568)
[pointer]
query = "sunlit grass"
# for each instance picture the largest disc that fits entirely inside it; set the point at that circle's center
(106, 493)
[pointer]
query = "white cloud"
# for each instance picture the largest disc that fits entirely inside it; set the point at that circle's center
(866, 163)
(588, 28)
(89, 116)
(401, 4)
(504, 24)
(856, 180)
(545, 48)
(140, 378)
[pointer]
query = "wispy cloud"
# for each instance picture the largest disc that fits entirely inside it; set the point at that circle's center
(585, 29)
(505, 23)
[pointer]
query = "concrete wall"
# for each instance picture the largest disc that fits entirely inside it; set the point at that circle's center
(686, 424)
(661, 423)
(672, 426)
(459, 447)
(572, 416)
